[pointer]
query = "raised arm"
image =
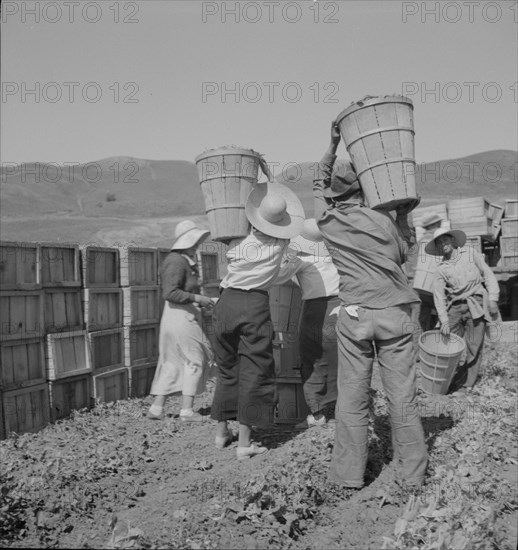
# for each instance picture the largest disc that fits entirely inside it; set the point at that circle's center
(324, 172)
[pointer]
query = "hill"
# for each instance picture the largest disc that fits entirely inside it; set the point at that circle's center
(126, 199)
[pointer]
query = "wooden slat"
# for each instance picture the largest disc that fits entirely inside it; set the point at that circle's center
(19, 266)
(68, 354)
(69, 394)
(63, 310)
(495, 212)
(140, 379)
(21, 314)
(103, 308)
(26, 410)
(100, 267)
(110, 386)
(141, 305)
(509, 245)
(460, 209)
(509, 227)
(107, 349)
(140, 344)
(511, 208)
(138, 266)
(291, 406)
(60, 265)
(22, 363)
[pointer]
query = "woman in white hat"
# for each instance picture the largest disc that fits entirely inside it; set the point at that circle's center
(184, 351)
(318, 279)
(245, 388)
(466, 295)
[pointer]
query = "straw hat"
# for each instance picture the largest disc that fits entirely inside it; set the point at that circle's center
(458, 236)
(310, 241)
(344, 182)
(430, 219)
(188, 235)
(275, 210)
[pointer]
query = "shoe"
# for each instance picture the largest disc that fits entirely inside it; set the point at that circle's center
(243, 453)
(152, 416)
(461, 392)
(194, 417)
(311, 422)
(222, 442)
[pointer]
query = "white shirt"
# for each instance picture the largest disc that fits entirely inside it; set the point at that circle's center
(316, 275)
(254, 261)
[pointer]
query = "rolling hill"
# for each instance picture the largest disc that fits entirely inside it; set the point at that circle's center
(126, 199)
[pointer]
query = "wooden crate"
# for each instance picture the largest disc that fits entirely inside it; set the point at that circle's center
(100, 267)
(495, 212)
(110, 386)
(475, 226)
(19, 266)
(141, 305)
(286, 354)
(509, 227)
(107, 349)
(285, 307)
(291, 405)
(464, 209)
(419, 213)
(103, 308)
(140, 379)
(21, 314)
(425, 269)
(511, 208)
(509, 261)
(69, 394)
(63, 310)
(475, 242)
(141, 344)
(68, 354)
(22, 363)
(509, 245)
(27, 409)
(60, 265)
(138, 266)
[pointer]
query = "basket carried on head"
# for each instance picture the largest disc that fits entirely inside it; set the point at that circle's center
(379, 135)
(439, 356)
(227, 175)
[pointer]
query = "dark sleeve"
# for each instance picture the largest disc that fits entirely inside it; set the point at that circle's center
(320, 182)
(174, 273)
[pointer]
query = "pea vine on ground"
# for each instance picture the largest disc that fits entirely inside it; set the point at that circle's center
(110, 478)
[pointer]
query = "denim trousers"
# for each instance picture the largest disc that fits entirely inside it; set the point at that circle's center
(388, 333)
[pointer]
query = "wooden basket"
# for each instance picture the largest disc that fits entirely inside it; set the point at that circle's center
(379, 135)
(227, 175)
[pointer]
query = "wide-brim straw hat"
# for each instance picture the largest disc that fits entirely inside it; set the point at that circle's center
(458, 236)
(310, 240)
(275, 210)
(344, 182)
(188, 235)
(430, 219)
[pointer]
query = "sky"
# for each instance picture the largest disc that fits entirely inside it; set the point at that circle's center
(166, 80)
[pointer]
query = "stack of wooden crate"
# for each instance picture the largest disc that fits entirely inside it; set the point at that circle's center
(25, 396)
(141, 315)
(509, 236)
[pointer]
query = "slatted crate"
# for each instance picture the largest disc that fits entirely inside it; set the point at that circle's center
(19, 266)
(509, 261)
(27, 409)
(69, 394)
(465, 209)
(291, 405)
(138, 266)
(110, 386)
(140, 379)
(60, 265)
(424, 211)
(68, 354)
(509, 227)
(141, 344)
(285, 307)
(21, 314)
(63, 310)
(107, 349)
(509, 245)
(100, 267)
(103, 308)
(474, 226)
(141, 305)
(511, 208)
(22, 363)
(475, 242)
(495, 212)
(286, 355)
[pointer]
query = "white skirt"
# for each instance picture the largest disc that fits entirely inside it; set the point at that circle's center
(185, 355)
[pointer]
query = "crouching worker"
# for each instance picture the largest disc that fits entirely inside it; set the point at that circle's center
(368, 249)
(466, 295)
(245, 386)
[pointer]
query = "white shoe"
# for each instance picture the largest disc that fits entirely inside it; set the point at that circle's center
(311, 421)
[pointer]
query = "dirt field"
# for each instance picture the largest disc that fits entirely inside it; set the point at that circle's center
(110, 478)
